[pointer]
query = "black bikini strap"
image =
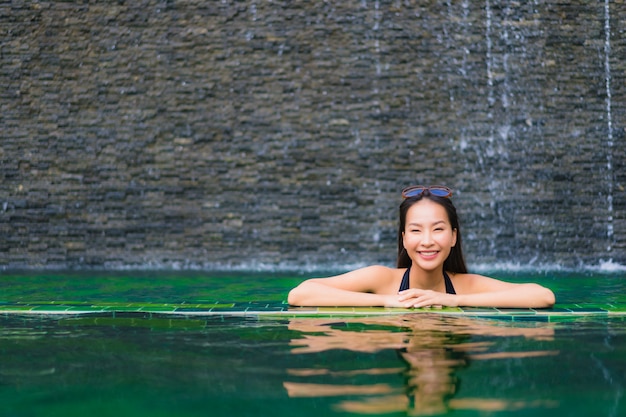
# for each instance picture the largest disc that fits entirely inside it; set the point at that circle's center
(404, 285)
(449, 286)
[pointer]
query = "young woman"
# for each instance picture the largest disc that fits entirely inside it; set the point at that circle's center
(431, 269)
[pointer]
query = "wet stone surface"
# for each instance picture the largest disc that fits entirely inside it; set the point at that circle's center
(218, 134)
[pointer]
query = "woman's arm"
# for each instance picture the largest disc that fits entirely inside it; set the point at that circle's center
(518, 296)
(480, 291)
(362, 287)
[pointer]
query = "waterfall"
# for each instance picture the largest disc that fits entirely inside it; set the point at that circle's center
(609, 154)
(490, 99)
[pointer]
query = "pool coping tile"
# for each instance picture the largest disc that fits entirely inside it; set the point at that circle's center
(261, 308)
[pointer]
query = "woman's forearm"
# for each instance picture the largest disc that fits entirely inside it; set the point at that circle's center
(311, 293)
(522, 296)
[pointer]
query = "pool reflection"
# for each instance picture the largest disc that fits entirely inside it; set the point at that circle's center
(431, 349)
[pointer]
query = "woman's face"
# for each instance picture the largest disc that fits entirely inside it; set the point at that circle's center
(428, 236)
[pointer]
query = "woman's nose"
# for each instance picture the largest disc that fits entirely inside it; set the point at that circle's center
(427, 238)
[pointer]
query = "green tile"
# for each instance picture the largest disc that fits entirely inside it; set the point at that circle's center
(50, 308)
(121, 308)
(499, 317)
(158, 309)
(113, 304)
(478, 310)
(336, 310)
(16, 308)
(371, 309)
(85, 308)
(446, 310)
(517, 311)
(73, 303)
(530, 318)
(605, 306)
(214, 306)
(563, 319)
(298, 308)
(554, 311)
(583, 310)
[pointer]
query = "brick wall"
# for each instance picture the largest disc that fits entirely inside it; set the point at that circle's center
(278, 134)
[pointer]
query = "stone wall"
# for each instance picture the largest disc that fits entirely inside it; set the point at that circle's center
(249, 134)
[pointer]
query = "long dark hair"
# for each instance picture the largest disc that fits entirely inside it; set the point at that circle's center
(455, 261)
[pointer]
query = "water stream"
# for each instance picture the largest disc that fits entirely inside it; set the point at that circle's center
(609, 121)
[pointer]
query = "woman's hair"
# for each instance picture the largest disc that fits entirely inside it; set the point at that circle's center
(455, 261)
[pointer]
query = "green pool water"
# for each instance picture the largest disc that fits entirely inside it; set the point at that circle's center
(176, 344)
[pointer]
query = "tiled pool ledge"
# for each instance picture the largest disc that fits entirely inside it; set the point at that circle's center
(277, 309)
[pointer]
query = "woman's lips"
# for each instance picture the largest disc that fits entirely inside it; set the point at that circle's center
(428, 254)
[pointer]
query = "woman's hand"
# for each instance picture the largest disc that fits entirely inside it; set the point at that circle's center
(416, 298)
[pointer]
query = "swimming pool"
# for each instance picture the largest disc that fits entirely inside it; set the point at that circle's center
(217, 344)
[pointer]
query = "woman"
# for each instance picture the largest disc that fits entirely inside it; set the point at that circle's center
(431, 269)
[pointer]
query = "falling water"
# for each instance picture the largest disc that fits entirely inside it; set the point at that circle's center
(490, 98)
(499, 130)
(609, 155)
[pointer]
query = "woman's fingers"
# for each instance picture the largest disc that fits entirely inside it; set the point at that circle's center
(415, 298)
(410, 293)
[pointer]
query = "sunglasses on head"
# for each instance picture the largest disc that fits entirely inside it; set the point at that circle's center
(417, 190)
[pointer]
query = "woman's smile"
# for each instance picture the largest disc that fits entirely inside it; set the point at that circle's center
(429, 254)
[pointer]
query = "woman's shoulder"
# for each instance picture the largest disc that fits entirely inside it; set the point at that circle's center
(372, 272)
(384, 279)
(380, 278)
(466, 276)
(380, 271)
